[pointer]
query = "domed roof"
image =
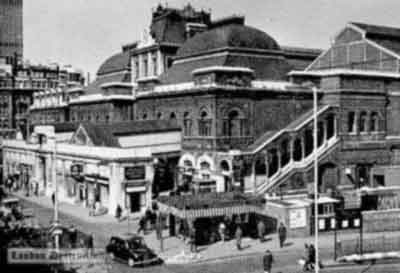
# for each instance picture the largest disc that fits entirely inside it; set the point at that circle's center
(233, 35)
(115, 63)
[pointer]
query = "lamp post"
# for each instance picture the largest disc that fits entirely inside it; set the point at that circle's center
(315, 99)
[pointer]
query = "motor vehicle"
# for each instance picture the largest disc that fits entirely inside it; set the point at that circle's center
(12, 205)
(132, 249)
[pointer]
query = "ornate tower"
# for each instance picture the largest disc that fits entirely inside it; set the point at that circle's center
(11, 29)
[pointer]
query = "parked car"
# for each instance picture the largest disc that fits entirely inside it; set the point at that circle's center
(12, 205)
(132, 249)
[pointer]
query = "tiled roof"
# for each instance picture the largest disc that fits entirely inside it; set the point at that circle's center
(94, 87)
(264, 68)
(106, 134)
(378, 30)
(233, 35)
(388, 37)
(116, 63)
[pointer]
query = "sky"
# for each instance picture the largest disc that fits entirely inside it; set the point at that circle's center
(84, 33)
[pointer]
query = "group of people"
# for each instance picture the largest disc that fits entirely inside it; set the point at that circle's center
(309, 258)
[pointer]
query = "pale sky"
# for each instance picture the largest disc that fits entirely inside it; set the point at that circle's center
(85, 32)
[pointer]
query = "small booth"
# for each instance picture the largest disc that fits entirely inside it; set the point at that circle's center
(326, 213)
(205, 212)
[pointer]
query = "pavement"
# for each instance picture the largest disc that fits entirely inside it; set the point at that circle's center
(250, 257)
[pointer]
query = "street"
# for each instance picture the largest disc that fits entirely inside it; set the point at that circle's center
(285, 261)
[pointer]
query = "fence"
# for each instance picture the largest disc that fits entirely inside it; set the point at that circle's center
(368, 245)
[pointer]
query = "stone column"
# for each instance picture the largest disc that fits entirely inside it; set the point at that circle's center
(356, 117)
(303, 147)
(325, 138)
(335, 126)
(291, 148)
(267, 165)
(150, 64)
(253, 175)
(279, 154)
(115, 188)
(160, 66)
(141, 66)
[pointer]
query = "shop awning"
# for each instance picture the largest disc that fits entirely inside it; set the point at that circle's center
(210, 205)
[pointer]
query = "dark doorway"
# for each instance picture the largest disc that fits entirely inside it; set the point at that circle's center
(134, 198)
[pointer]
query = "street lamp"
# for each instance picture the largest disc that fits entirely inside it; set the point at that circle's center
(315, 99)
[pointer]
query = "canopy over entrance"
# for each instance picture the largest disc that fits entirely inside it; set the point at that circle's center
(210, 205)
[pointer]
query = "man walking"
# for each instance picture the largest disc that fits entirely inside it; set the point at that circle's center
(261, 230)
(268, 259)
(192, 240)
(282, 234)
(142, 225)
(239, 235)
(89, 244)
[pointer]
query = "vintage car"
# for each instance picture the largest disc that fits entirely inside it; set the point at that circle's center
(132, 249)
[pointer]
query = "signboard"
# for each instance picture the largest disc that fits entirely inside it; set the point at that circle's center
(352, 199)
(135, 173)
(297, 218)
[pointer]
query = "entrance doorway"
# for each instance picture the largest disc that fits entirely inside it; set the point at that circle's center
(134, 199)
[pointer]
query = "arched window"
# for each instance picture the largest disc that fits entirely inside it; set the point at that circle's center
(172, 116)
(159, 115)
(204, 124)
(260, 166)
(351, 122)
(234, 124)
(224, 166)
(144, 116)
(363, 121)
(187, 124)
(374, 122)
(107, 118)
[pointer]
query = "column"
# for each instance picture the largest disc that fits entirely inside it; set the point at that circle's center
(150, 64)
(325, 132)
(160, 66)
(303, 146)
(291, 148)
(115, 189)
(356, 117)
(266, 165)
(141, 70)
(279, 154)
(334, 126)
(253, 175)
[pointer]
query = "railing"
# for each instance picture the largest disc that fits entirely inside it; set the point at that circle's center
(296, 165)
(382, 243)
(219, 143)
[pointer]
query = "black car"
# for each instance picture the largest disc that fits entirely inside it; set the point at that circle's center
(131, 249)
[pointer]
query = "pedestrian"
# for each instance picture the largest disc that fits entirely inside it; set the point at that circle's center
(307, 255)
(89, 244)
(222, 231)
(261, 230)
(142, 225)
(238, 236)
(268, 259)
(118, 212)
(53, 198)
(312, 255)
(192, 240)
(282, 234)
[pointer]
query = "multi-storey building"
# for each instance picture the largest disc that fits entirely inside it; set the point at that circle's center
(11, 31)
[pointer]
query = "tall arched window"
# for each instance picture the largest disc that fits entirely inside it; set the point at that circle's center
(187, 124)
(351, 122)
(204, 124)
(260, 166)
(234, 124)
(144, 116)
(159, 115)
(172, 116)
(374, 122)
(363, 121)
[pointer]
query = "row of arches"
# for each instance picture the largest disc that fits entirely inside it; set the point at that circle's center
(293, 148)
(234, 122)
(364, 121)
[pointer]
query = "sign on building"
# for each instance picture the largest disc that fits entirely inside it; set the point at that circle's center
(135, 173)
(297, 218)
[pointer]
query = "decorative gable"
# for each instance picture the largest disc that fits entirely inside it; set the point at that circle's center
(81, 137)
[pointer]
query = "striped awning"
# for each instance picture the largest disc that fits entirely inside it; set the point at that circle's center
(208, 212)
